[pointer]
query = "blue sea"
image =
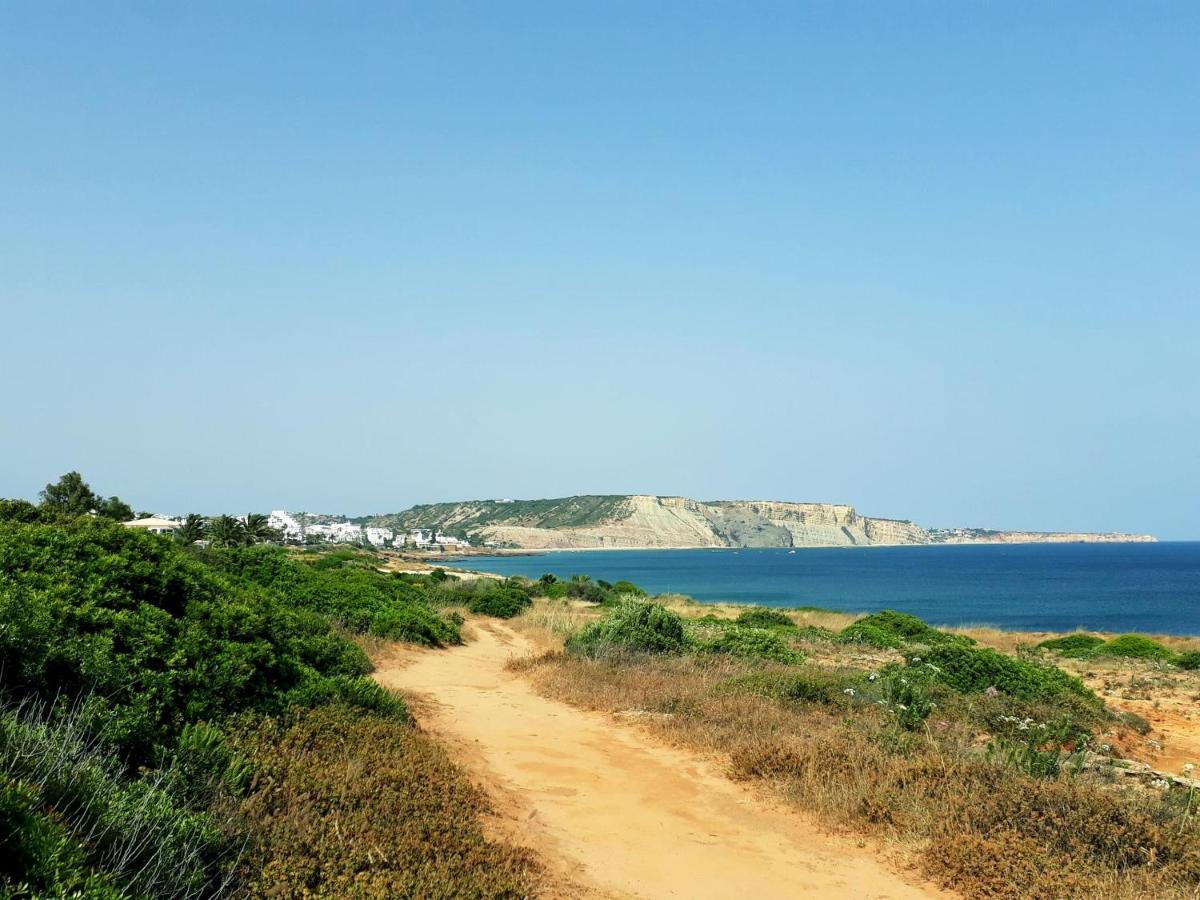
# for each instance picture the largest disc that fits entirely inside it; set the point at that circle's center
(1037, 587)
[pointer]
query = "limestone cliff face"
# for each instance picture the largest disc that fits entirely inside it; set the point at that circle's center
(645, 520)
(651, 521)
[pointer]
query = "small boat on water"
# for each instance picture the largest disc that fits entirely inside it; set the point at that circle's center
(791, 552)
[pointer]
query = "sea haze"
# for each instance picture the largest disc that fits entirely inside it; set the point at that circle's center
(1036, 587)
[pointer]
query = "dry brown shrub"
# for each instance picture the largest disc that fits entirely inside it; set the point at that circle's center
(352, 805)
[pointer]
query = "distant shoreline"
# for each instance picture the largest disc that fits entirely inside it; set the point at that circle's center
(539, 551)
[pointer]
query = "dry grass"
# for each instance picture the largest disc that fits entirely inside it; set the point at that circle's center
(352, 805)
(976, 823)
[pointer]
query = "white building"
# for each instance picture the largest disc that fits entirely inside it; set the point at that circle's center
(446, 541)
(338, 532)
(379, 537)
(282, 520)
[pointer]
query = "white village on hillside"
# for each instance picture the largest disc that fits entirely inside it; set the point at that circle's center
(296, 529)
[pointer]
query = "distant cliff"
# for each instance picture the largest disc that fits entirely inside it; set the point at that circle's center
(649, 521)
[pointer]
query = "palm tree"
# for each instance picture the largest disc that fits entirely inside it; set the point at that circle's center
(193, 529)
(258, 528)
(226, 531)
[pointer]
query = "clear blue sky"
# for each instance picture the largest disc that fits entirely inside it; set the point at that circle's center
(939, 260)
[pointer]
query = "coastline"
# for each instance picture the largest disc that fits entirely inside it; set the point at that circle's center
(1012, 591)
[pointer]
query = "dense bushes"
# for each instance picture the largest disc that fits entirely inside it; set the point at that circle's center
(870, 635)
(500, 600)
(1125, 646)
(345, 586)
(632, 625)
(760, 617)
(581, 587)
(133, 657)
(1133, 646)
(60, 781)
(974, 670)
(90, 607)
(889, 629)
(1073, 644)
(754, 643)
(1188, 660)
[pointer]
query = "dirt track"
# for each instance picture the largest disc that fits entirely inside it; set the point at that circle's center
(613, 812)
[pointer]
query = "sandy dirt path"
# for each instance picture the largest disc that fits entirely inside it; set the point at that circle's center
(610, 808)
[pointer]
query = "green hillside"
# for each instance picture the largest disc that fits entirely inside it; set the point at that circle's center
(470, 516)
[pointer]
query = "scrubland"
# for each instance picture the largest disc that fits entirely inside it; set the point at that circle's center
(180, 722)
(997, 767)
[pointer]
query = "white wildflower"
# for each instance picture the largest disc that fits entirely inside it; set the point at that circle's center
(850, 692)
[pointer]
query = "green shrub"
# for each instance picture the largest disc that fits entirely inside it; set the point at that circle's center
(628, 588)
(346, 587)
(134, 831)
(907, 700)
(503, 602)
(632, 625)
(902, 625)
(415, 624)
(760, 617)
(974, 670)
(754, 643)
(889, 629)
(323, 690)
(1076, 645)
(91, 607)
(1133, 646)
(1189, 659)
(870, 635)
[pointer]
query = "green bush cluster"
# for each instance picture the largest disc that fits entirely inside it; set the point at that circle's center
(754, 643)
(633, 625)
(1125, 646)
(973, 670)
(890, 629)
(870, 635)
(136, 655)
(1189, 659)
(1133, 646)
(581, 587)
(501, 600)
(1076, 645)
(347, 587)
(761, 617)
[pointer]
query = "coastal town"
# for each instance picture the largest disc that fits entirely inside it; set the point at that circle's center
(298, 528)
(306, 529)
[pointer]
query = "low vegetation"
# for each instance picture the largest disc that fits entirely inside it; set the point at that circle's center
(1124, 646)
(988, 765)
(405, 823)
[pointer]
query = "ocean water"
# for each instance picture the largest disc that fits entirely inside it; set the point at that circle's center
(1038, 587)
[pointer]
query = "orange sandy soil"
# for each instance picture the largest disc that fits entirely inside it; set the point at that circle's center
(612, 811)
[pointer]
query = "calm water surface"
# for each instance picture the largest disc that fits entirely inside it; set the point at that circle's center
(1044, 587)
